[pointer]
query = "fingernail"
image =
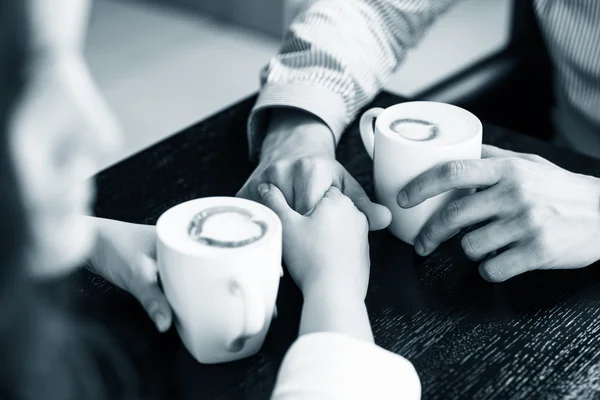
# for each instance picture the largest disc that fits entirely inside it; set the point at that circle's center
(263, 188)
(483, 273)
(153, 308)
(403, 198)
(162, 323)
(491, 275)
(419, 248)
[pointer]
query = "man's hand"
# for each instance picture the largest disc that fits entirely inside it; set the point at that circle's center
(539, 216)
(298, 156)
(124, 255)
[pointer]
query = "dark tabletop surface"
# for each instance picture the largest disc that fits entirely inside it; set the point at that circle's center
(534, 336)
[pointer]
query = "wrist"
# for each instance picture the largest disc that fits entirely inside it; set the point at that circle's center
(338, 290)
(297, 133)
(328, 309)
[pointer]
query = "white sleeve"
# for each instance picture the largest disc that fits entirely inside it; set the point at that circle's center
(328, 365)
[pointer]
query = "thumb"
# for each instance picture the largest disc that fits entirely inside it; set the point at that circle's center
(333, 193)
(273, 198)
(144, 287)
(379, 216)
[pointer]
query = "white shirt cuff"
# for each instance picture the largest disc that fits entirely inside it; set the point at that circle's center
(328, 365)
(314, 99)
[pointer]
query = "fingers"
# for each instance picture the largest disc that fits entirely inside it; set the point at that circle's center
(336, 199)
(489, 238)
(379, 216)
(277, 176)
(147, 237)
(488, 151)
(506, 265)
(456, 215)
(144, 287)
(310, 184)
(334, 194)
(273, 198)
(337, 203)
(447, 176)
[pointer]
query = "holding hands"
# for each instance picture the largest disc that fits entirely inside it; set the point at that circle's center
(538, 215)
(326, 251)
(298, 156)
(535, 215)
(327, 255)
(327, 248)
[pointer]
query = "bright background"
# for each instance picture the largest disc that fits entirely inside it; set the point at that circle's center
(163, 68)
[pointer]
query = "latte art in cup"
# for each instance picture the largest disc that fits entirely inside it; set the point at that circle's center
(227, 227)
(219, 261)
(415, 129)
(408, 139)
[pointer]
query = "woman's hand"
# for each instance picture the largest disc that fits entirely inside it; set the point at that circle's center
(124, 255)
(298, 156)
(326, 248)
(327, 255)
(538, 215)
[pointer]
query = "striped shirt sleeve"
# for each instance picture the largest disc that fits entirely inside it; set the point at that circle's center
(336, 57)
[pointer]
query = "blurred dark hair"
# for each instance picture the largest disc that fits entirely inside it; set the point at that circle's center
(44, 353)
(13, 236)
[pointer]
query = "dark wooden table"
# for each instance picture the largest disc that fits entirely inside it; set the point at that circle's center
(534, 336)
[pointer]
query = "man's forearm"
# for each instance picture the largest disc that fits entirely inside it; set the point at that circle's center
(298, 132)
(337, 56)
(333, 308)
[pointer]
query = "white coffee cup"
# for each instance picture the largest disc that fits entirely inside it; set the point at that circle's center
(425, 134)
(223, 297)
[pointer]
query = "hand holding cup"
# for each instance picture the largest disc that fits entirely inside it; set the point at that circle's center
(536, 215)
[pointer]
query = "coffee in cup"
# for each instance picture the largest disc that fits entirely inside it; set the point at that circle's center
(219, 260)
(409, 139)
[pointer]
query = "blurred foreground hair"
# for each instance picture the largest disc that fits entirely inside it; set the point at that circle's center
(44, 353)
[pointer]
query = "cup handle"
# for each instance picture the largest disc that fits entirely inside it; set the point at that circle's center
(253, 311)
(275, 313)
(366, 128)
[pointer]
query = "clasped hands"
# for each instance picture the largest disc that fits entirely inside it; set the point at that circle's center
(533, 215)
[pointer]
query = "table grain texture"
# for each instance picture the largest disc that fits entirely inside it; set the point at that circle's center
(533, 337)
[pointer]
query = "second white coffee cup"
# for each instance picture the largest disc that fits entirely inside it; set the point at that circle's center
(222, 293)
(409, 139)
